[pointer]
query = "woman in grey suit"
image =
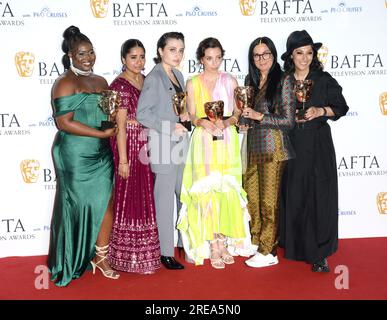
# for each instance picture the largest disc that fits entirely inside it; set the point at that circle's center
(168, 139)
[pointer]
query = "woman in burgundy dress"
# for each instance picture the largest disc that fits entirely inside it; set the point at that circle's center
(134, 242)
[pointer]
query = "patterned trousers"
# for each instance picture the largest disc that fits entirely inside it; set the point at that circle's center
(262, 183)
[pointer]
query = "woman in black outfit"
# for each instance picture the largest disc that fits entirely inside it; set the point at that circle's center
(309, 217)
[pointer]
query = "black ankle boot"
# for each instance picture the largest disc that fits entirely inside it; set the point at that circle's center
(171, 263)
(320, 266)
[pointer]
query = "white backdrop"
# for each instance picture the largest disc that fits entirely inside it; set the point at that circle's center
(354, 52)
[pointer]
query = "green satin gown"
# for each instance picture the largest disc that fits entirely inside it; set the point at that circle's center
(84, 169)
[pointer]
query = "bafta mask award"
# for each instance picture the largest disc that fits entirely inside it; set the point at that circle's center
(244, 97)
(109, 102)
(180, 107)
(214, 112)
(302, 90)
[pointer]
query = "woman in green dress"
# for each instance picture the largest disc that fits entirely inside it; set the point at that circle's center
(82, 216)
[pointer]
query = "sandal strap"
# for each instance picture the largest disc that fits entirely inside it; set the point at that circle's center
(101, 252)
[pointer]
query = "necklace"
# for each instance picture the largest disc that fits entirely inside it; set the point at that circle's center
(78, 72)
(137, 83)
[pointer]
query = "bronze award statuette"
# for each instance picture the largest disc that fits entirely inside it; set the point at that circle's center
(109, 102)
(302, 90)
(179, 104)
(214, 112)
(244, 96)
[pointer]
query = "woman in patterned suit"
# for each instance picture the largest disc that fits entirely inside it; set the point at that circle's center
(268, 147)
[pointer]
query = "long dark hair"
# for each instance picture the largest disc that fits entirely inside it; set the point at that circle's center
(275, 73)
(162, 42)
(289, 66)
(128, 45)
(72, 37)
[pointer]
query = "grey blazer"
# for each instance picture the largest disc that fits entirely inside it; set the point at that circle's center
(155, 112)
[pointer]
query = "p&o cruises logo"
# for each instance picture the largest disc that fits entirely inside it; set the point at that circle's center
(46, 12)
(347, 212)
(132, 13)
(47, 122)
(280, 11)
(198, 12)
(342, 8)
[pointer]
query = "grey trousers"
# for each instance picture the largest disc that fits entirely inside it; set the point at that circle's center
(166, 187)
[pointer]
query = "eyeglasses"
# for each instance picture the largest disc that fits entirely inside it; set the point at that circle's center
(264, 56)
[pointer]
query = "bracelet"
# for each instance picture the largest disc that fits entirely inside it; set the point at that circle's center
(325, 112)
(123, 163)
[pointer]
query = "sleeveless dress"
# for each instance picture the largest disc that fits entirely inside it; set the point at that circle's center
(212, 194)
(134, 241)
(84, 170)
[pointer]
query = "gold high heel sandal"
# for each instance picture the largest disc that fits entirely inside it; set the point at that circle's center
(216, 259)
(102, 253)
(227, 258)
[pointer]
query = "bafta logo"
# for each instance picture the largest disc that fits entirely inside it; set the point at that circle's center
(247, 7)
(322, 55)
(179, 104)
(24, 62)
(383, 103)
(30, 170)
(302, 90)
(109, 102)
(99, 8)
(381, 200)
(214, 111)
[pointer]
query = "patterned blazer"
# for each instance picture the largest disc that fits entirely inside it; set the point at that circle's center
(261, 138)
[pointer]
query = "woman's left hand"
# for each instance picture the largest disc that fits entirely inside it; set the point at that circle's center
(252, 114)
(313, 113)
(123, 170)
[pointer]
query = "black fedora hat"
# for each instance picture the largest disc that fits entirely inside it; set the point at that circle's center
(299, 39)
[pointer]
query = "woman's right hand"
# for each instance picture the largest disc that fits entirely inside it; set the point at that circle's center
(211, 128)
(243, 128)
(107, 133)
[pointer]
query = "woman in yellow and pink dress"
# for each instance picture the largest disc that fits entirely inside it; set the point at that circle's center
(214, 210)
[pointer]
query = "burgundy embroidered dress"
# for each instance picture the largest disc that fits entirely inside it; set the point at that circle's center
(134, 241)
